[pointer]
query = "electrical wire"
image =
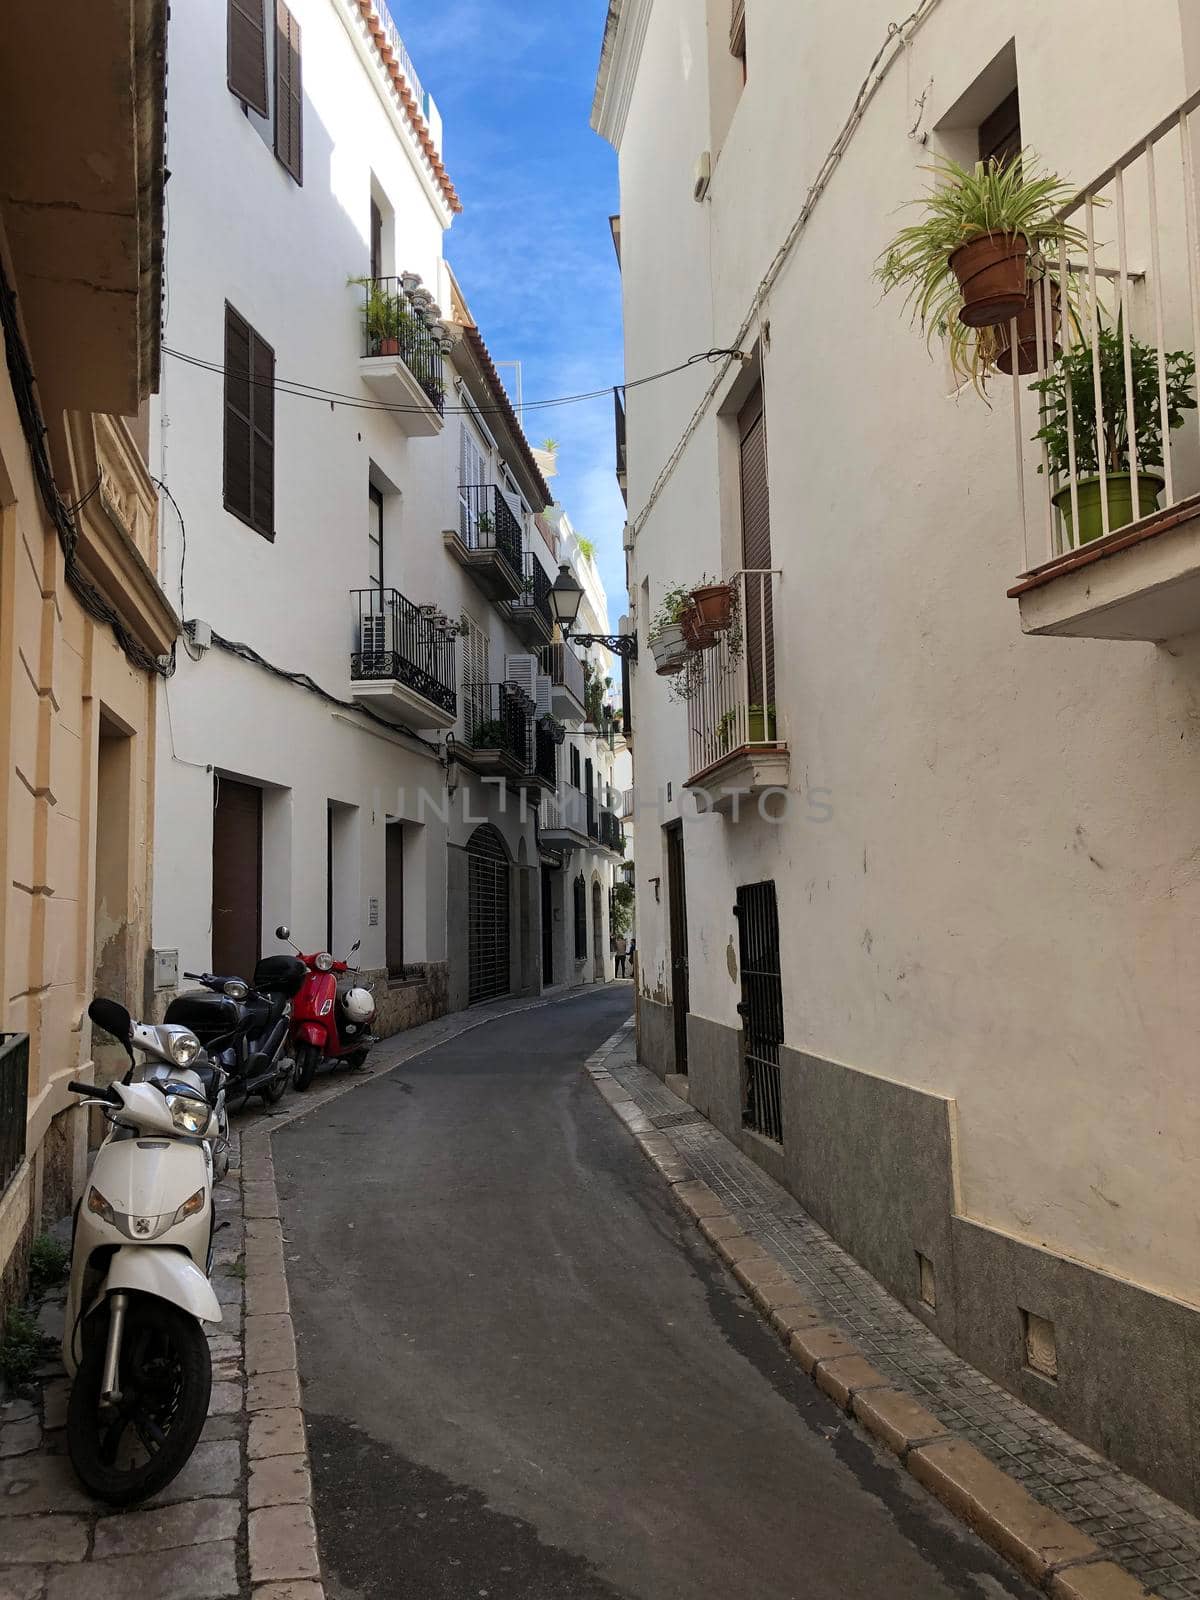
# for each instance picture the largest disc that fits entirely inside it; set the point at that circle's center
(310, 391)
(898, 36)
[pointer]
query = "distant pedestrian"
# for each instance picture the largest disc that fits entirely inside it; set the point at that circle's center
(619, 948)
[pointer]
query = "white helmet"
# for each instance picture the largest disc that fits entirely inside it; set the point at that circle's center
(359, 1005)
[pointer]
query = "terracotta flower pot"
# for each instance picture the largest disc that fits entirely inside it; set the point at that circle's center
(388, 347)
(697, 634)
(1027, 335)
(991, 275)
(714, 605)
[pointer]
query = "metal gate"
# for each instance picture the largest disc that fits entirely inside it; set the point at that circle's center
(761, 1007)
(487, 916)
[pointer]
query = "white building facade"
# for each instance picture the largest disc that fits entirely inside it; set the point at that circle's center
(917, 898)
(357, 739)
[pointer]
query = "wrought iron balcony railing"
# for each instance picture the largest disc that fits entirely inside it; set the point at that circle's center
(535, 589)
(14, 1092)
(731, 704)
(612, 834)
(565, 670)
(399, 641)
(488, 522)
(393, 326)
(497, 717)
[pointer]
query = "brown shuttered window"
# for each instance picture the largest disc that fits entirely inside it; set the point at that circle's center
(249, 425)
(289, 97)
(1000, 134)
(247, 53)
(756, 549)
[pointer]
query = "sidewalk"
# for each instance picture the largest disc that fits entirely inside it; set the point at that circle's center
(1125, 1523)
(237, 1522)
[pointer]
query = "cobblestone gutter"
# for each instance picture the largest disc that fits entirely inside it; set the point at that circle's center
(1068, 1518)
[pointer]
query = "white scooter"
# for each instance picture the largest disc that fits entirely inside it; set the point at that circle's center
(140, 1258)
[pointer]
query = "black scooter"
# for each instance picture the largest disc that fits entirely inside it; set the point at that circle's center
(245, 1029)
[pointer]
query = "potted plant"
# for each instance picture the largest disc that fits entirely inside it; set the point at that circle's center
(760, 726)
(714, 602)
(385, 318)
(666, 631)
(697, 634)
(410, 282)
(966, 262)
(485, 523)
(1070, 390)
(1027, 319)
(490, 736)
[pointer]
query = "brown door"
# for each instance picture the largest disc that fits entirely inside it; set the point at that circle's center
(677, 913)
(394, 890)
(237, 878)
(756, 551)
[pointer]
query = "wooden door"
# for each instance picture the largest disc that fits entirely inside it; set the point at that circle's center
(394, 891)
(677, 917)
(237, 878)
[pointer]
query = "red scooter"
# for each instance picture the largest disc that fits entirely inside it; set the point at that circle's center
(331, 1015)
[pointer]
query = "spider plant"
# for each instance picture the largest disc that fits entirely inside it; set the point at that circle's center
(961, 204)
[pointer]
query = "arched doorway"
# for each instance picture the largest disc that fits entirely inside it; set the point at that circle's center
(597, 932)
(487, 915)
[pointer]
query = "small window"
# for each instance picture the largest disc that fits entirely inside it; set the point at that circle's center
(289, 94)
(246, 61)
(376, 242)
(737, 33)
(576, 772)
(249, 454)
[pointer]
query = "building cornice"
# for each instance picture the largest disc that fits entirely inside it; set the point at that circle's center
(620, 57)
(366, 28)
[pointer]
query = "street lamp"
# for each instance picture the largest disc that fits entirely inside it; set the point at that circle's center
(566, 597)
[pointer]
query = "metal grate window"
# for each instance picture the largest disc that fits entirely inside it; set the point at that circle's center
(487, 916)
(14, 1090)
(761, 1007)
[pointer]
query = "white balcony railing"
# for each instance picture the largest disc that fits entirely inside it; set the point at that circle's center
(731, 700)
(1119, 356)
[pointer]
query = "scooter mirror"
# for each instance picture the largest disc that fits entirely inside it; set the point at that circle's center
(283, 931)
(357, 945)
(113, 1018)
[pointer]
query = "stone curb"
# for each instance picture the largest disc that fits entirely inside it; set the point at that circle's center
(283, 1546)
(1046, 1548)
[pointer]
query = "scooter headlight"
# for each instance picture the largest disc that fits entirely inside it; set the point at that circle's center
(99, 1206)
(189, 1208)
(236, 989)
(183, 1048)
(189, 1112)
(324, 962)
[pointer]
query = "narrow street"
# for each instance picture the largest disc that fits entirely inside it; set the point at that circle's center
(525, 1378)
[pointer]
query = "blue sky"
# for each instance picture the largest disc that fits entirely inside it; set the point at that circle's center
(513, 80)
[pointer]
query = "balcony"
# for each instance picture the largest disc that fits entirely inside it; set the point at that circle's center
(402, 358)
(564, 818)
(497, 730)
(611, 833)
(487, 541)
(541, 777)
(530, 612)
(1110, 509)
(403, 666)
(736, 751)
(622, 475)
(565, 671)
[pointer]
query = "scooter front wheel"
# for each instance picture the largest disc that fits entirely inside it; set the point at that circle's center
(130, 1449)
(308, 1059)
(272, 1092)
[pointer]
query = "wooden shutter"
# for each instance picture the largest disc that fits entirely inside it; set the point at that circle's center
(289, 95)
(246, 61)
(237, 878)
(249, 425)
(1000, 133)
(756, 549)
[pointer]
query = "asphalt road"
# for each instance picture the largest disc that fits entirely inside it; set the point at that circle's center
(526, 1378)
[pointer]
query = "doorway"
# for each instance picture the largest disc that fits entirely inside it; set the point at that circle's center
(677, 920)
(393, 903)
(487, 916)
(597, 932)
(547, 928)
(237, 878)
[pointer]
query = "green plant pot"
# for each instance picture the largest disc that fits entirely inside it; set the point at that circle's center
(1120, 503)
(761, 725)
